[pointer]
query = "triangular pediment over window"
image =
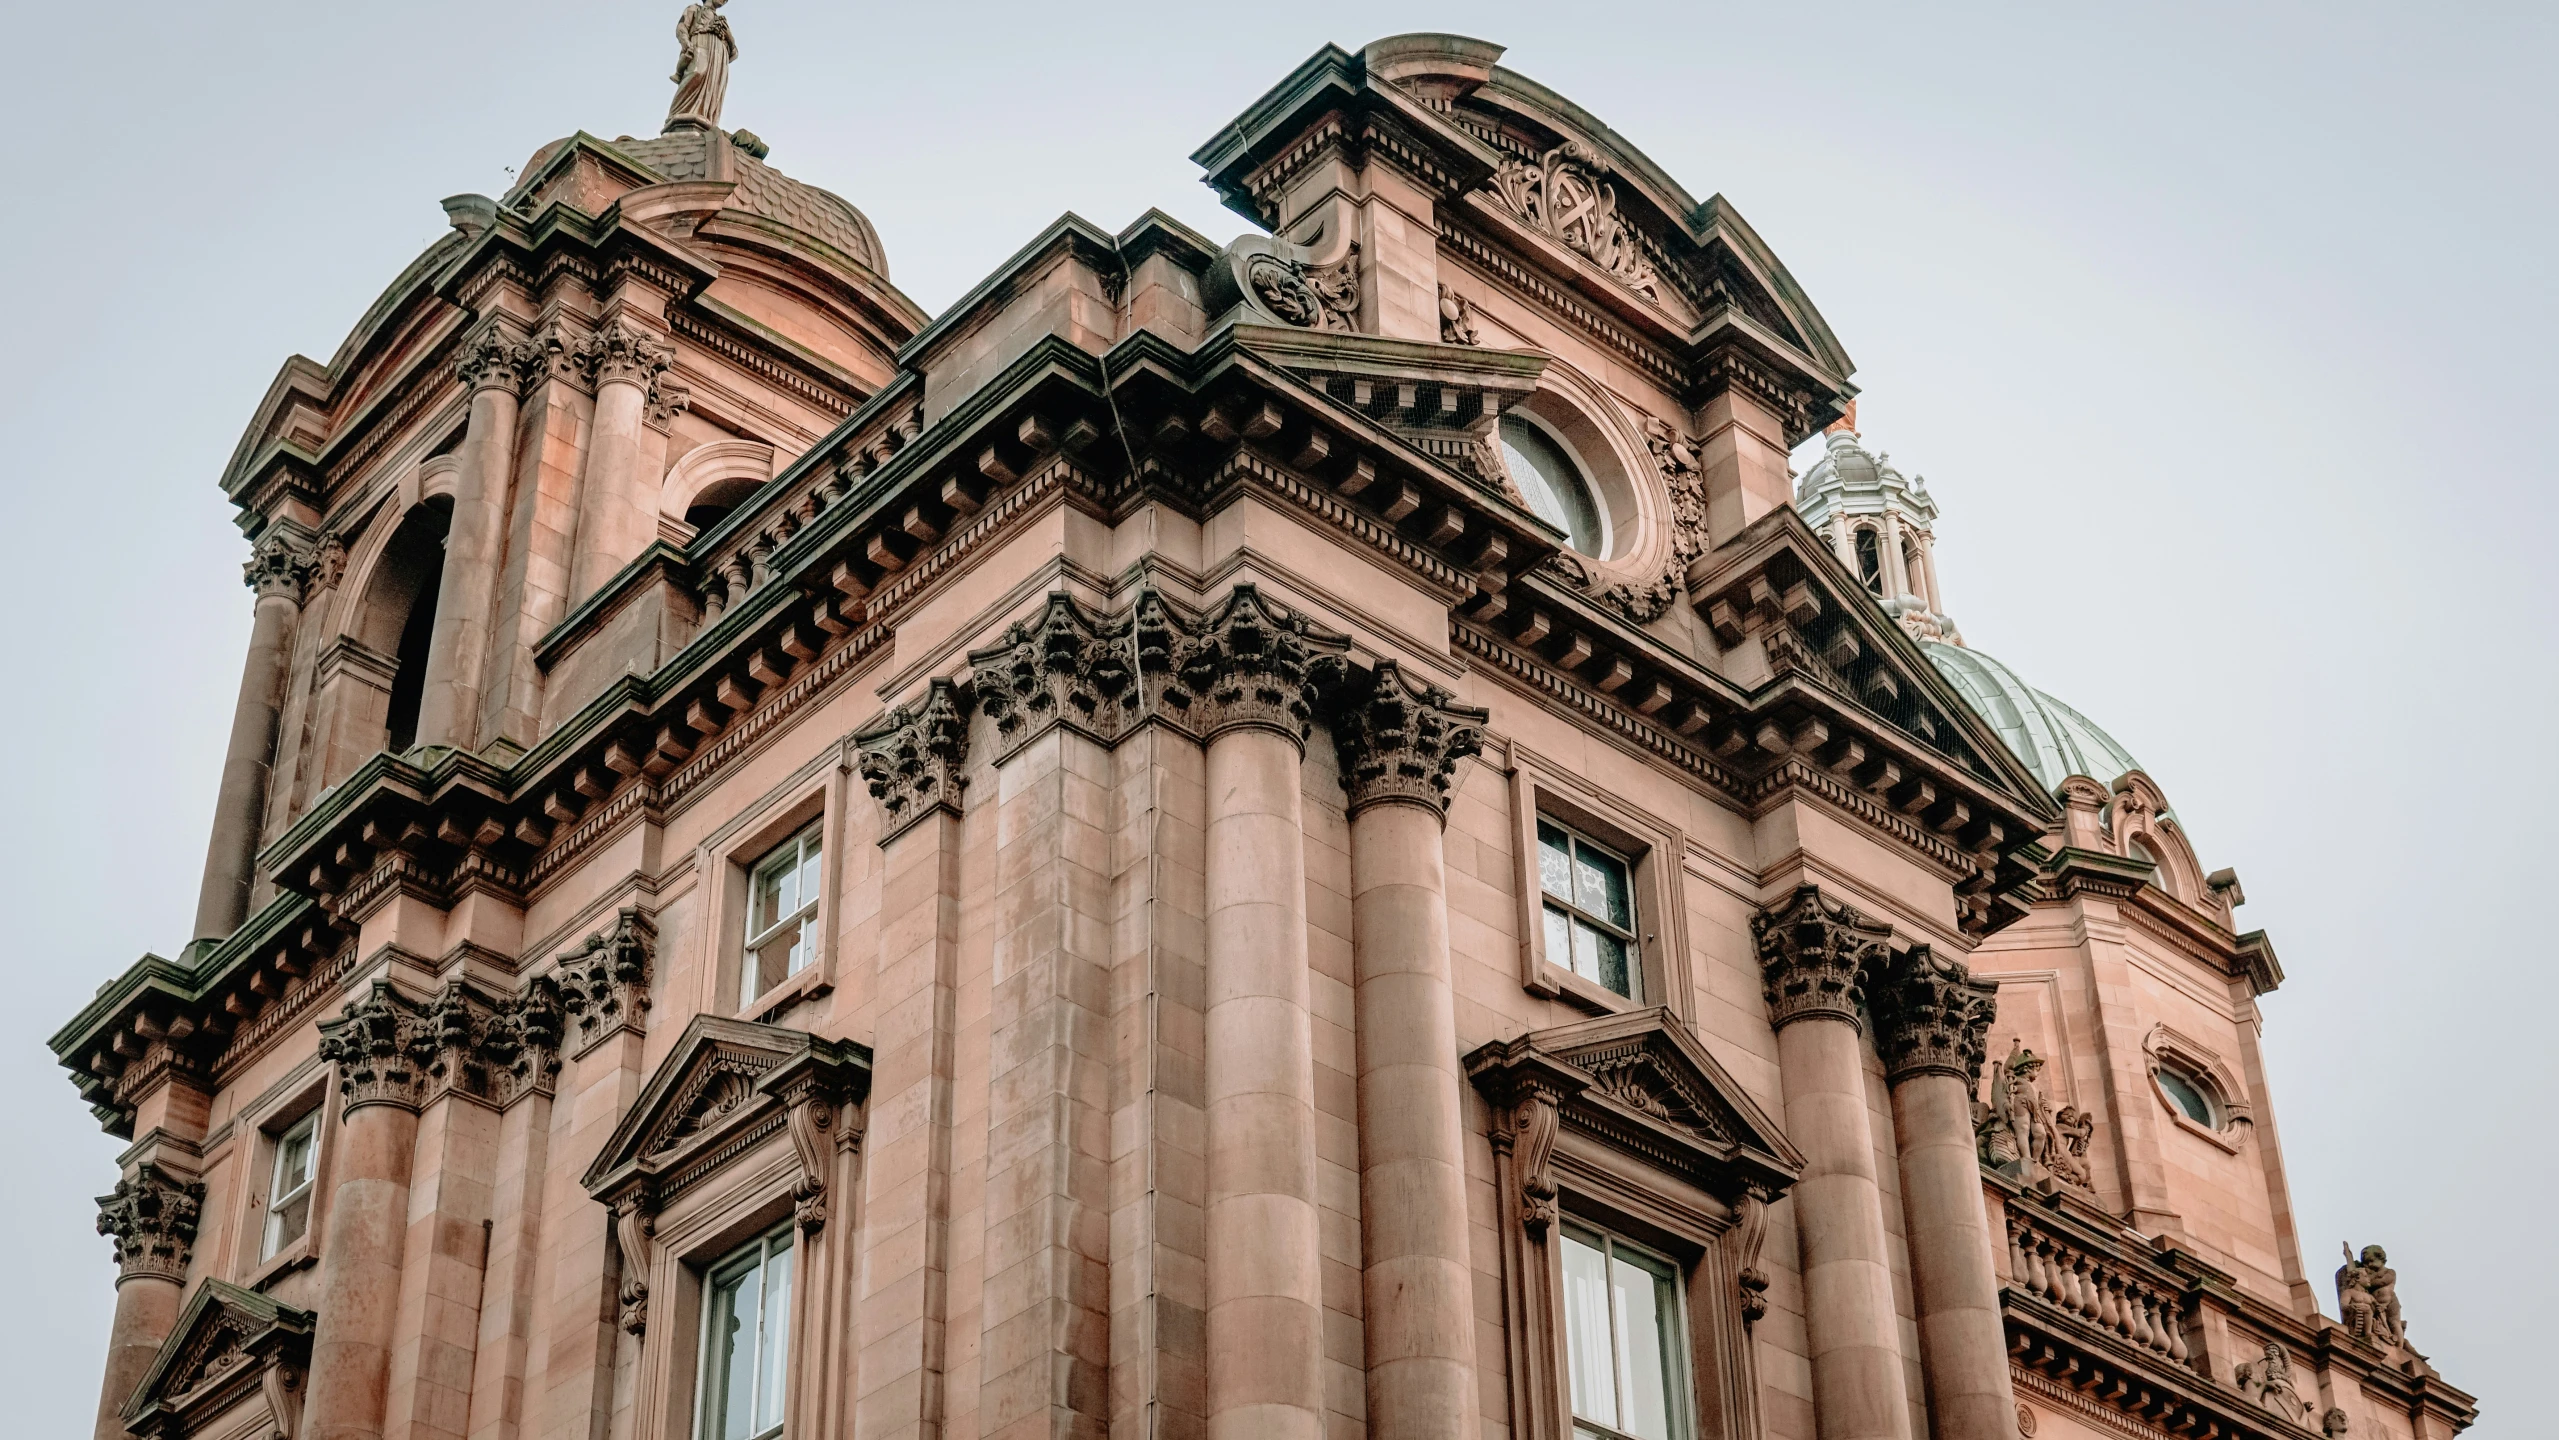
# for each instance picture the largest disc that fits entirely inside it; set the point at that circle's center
(724, 1088)
(1643, 1084)
(230, 1346)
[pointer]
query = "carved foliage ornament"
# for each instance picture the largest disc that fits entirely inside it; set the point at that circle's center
(1246, 664)
(914, 758)
(623, 352)
(604, 982)
(151, 1215)
(282, 564)
(1563, 193)
(1815, 957)
(1399, 741)
(1684, 482)
(391, 1050)
(1062, 666)
(1933, 1017)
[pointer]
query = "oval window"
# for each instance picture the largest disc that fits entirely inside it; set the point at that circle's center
(2188, 1095)
(1553, 484)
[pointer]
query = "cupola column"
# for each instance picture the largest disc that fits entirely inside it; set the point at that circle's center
(1398, 744)
(617, 503)
(449, 710)
(278, 570)
(1896, 569)
(1815, 958)
(1932, 1019)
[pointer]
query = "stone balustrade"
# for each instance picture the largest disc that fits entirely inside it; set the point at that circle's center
(2109, 1292)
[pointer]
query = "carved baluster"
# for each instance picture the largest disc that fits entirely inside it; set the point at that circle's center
(2020, 1267)
(2173, 1325)
(2092, 1301)
(2128, 1301)
(2056, 1275)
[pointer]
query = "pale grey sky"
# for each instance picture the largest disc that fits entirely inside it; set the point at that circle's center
(2222, 334)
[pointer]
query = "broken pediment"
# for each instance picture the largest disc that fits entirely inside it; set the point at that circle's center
(230, 1346)
(726, 1086)
(1643, 1084)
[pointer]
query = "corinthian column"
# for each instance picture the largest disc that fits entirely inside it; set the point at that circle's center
(449, 709)
(1931, 1016)
(1399, 743)
(1814, 960)
(375, 1044)
(152, 1218)
(1245, 680)
(277, 570)
(617, 503)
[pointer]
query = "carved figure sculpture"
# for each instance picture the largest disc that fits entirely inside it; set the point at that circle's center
(2269, 1383)
(2368, 1297)
(1456, 319)
(702, 70)
(2018, 1131)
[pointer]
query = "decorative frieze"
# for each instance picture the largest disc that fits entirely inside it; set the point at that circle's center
(1932, 1017)
(604, 982)
(1563, 193)
(1399, 741)
(1684, 483)
(914, 758)
(151, 1215)
(1815, 958)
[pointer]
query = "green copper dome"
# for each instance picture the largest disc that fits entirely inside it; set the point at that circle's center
(2055, 741)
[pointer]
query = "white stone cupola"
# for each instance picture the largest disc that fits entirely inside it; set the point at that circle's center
(1882, 524)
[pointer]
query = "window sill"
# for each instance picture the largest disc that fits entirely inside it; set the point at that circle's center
(809, 984)
(2226, 1138)
(1590, 995)
(296, 1256)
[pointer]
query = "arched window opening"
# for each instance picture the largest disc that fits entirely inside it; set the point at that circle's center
(714, 502)
(399, 615)
(1870, 560)
(2191, 1094)
(1553, 484)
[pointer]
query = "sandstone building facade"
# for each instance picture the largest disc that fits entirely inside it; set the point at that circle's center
(1309, 837)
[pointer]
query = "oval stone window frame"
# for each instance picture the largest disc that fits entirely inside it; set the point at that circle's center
(1602, 438)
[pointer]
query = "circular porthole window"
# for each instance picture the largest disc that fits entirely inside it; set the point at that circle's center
(2190, 1095)
(1553, 484)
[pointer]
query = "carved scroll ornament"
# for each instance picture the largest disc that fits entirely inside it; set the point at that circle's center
(1563, 193)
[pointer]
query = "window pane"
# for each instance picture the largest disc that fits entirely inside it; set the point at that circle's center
(1586, 1331)
(775, 1353)
(1559, 939)
(768, 900)
(1602, 883)
(293, 1159)
(1643, 1304)
(728, 1394)
(808, 866)
(2189, 1097)
(1554, 862)
(773, 961)
(1606, 957)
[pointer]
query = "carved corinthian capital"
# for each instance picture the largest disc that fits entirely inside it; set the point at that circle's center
(1815, 957)
(491, 359)
(1247, 664)
(625, 353)
(1060, 667)
(1932, 1017)
(151, 1216)
(382, 1045)
(1399, 742)
(604, 982)
(913, 758)
(281, 564)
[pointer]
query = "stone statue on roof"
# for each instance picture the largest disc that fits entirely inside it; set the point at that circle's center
(702, 71)
(2368, 1297)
